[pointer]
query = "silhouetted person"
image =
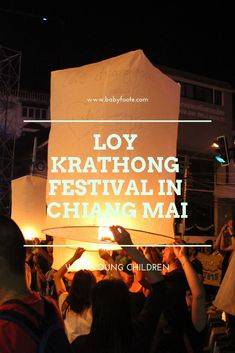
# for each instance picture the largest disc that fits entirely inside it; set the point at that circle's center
(23, 314)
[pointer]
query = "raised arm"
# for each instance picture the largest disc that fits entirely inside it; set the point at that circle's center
(217, 242)
(58, 277)
(230, 247)
(104, 254)
(196, 287)
(123, 238)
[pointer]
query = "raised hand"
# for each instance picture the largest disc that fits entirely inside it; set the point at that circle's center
(179, 251)
(78, 253)
(147, 253)
(104, 254)
(121, 236)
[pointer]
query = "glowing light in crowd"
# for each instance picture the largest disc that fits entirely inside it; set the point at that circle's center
(29, 233)
(105, 234)
(89, 260)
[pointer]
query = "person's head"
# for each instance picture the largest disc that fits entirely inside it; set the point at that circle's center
(99, 275)
(79, 297)
(168, 256)
(192, 252)
(111, 324)
(209, 249)
(12, 250)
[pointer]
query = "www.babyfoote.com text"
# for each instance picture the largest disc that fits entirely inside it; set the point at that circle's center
(117, 100)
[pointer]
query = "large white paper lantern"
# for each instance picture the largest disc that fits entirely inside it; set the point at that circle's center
(29, 205)
(73, 95)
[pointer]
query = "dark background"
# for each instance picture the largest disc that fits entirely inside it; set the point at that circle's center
(196, 37)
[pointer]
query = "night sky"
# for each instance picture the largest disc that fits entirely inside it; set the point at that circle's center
(197, 37)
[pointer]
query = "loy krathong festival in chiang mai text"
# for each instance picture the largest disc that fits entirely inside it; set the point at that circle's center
(81, 186)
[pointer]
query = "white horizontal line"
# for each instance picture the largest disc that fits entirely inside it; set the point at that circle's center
(126, 246)
(118, 121)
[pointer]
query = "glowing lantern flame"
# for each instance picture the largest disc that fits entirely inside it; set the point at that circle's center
(29, 233)
(105, 234)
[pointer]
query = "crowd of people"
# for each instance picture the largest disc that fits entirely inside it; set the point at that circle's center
(128, 309)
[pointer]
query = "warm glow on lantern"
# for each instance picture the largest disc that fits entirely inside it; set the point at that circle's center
(105, 234)
(29, 233)
(89, 260)
(29, 205)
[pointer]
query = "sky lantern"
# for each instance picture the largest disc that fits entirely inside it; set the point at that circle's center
(29, 205)
(112, 152)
